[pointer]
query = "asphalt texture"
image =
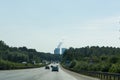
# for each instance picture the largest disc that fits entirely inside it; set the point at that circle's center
(42, 74)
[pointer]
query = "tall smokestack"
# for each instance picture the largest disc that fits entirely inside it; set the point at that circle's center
(59, 45)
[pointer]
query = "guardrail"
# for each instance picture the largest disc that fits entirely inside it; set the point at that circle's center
(100, 75)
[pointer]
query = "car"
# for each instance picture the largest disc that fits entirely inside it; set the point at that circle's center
(47, 67)
(55, 68)
(51, 66)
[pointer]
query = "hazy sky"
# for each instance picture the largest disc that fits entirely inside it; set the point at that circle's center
(42, 24)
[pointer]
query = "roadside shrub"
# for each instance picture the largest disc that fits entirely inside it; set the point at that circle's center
(115, 68)
(81, 66)
(72, 64)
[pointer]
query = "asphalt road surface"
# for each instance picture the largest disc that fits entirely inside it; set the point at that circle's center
(42, 74)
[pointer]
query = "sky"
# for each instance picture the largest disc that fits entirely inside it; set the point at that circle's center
(43, 24)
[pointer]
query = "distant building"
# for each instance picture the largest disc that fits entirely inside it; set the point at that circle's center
(57, 51)
(63, 50)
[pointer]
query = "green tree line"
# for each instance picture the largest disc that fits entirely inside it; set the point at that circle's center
(95, 58)
(14, 57)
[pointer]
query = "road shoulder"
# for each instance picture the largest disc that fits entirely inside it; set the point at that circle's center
(79, 76)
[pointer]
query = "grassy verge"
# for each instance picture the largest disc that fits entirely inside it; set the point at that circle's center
(7, 65)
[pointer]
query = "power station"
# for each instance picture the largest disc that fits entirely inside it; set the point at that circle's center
(59, 50)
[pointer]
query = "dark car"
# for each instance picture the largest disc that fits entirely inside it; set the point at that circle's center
(47, 67)
(55, 68)
(51, 66)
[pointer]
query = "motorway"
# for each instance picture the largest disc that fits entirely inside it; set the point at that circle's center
(42, 74)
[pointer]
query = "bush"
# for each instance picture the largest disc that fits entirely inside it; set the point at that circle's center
(72, 64)
(6, 65)
(81, 66)
(115, 68)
